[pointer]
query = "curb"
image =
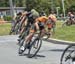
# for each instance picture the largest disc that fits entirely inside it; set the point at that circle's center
(51, 40)
(56, 41)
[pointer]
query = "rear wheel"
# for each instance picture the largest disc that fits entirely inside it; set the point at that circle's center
(34, 47)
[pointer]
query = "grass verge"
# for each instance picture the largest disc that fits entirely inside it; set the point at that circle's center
(5, 29)
(63, 33)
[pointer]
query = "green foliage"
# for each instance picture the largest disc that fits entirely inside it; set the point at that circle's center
(41, 4)
(7, 18)
(4, 3)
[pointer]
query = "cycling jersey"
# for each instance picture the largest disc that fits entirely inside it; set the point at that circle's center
(42, 19)
(41, 23)
(34, 13)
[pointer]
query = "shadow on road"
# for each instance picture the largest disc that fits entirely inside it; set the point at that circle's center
(57, 50)
(41, 56)
(53, 50)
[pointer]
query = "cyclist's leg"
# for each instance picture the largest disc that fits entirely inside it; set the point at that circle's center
(22, 27)
(28, 38)
(32, 31)
(21, 34)
(49, 27)
(49, 32)
(42, 31)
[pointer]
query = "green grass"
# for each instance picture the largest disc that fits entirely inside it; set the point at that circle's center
(65, 33)
(5, 29)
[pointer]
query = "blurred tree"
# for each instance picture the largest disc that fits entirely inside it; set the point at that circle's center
(40, 4)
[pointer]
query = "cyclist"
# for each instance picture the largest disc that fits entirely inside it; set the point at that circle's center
(71, 16)
(15, 21)
(52, 21)
(39, 24)
(31, 15)
(18, 17)
(23, 22)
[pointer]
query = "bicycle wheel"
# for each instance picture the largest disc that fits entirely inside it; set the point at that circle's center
(21, 44)
(34, 47)
(68, 55)
(17, 29)
(11, 31)
(23, 35)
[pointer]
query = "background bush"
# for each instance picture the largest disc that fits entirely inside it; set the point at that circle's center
(7, 18)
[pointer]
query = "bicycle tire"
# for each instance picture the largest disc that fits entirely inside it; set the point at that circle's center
(11, 31)
(21, 42)
(17, 29)
(30, 55)
(65, 51)
(23, 36)
(20, 51)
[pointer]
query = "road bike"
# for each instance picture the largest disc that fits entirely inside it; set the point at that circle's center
(33, 46)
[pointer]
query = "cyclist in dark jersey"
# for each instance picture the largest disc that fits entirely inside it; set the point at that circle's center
(39, 24)
(71, 16)
(30, 15)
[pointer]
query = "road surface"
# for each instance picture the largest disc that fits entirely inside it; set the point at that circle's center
(49, 53)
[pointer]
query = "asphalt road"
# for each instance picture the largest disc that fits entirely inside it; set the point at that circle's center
(49, 53)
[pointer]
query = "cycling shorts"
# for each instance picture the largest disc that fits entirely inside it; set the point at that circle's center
(33, 28)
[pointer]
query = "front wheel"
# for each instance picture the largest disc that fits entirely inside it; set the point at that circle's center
(34, 47)
(68, 56)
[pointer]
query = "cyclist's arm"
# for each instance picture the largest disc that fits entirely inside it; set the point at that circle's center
(23, 17)
(36, 24)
